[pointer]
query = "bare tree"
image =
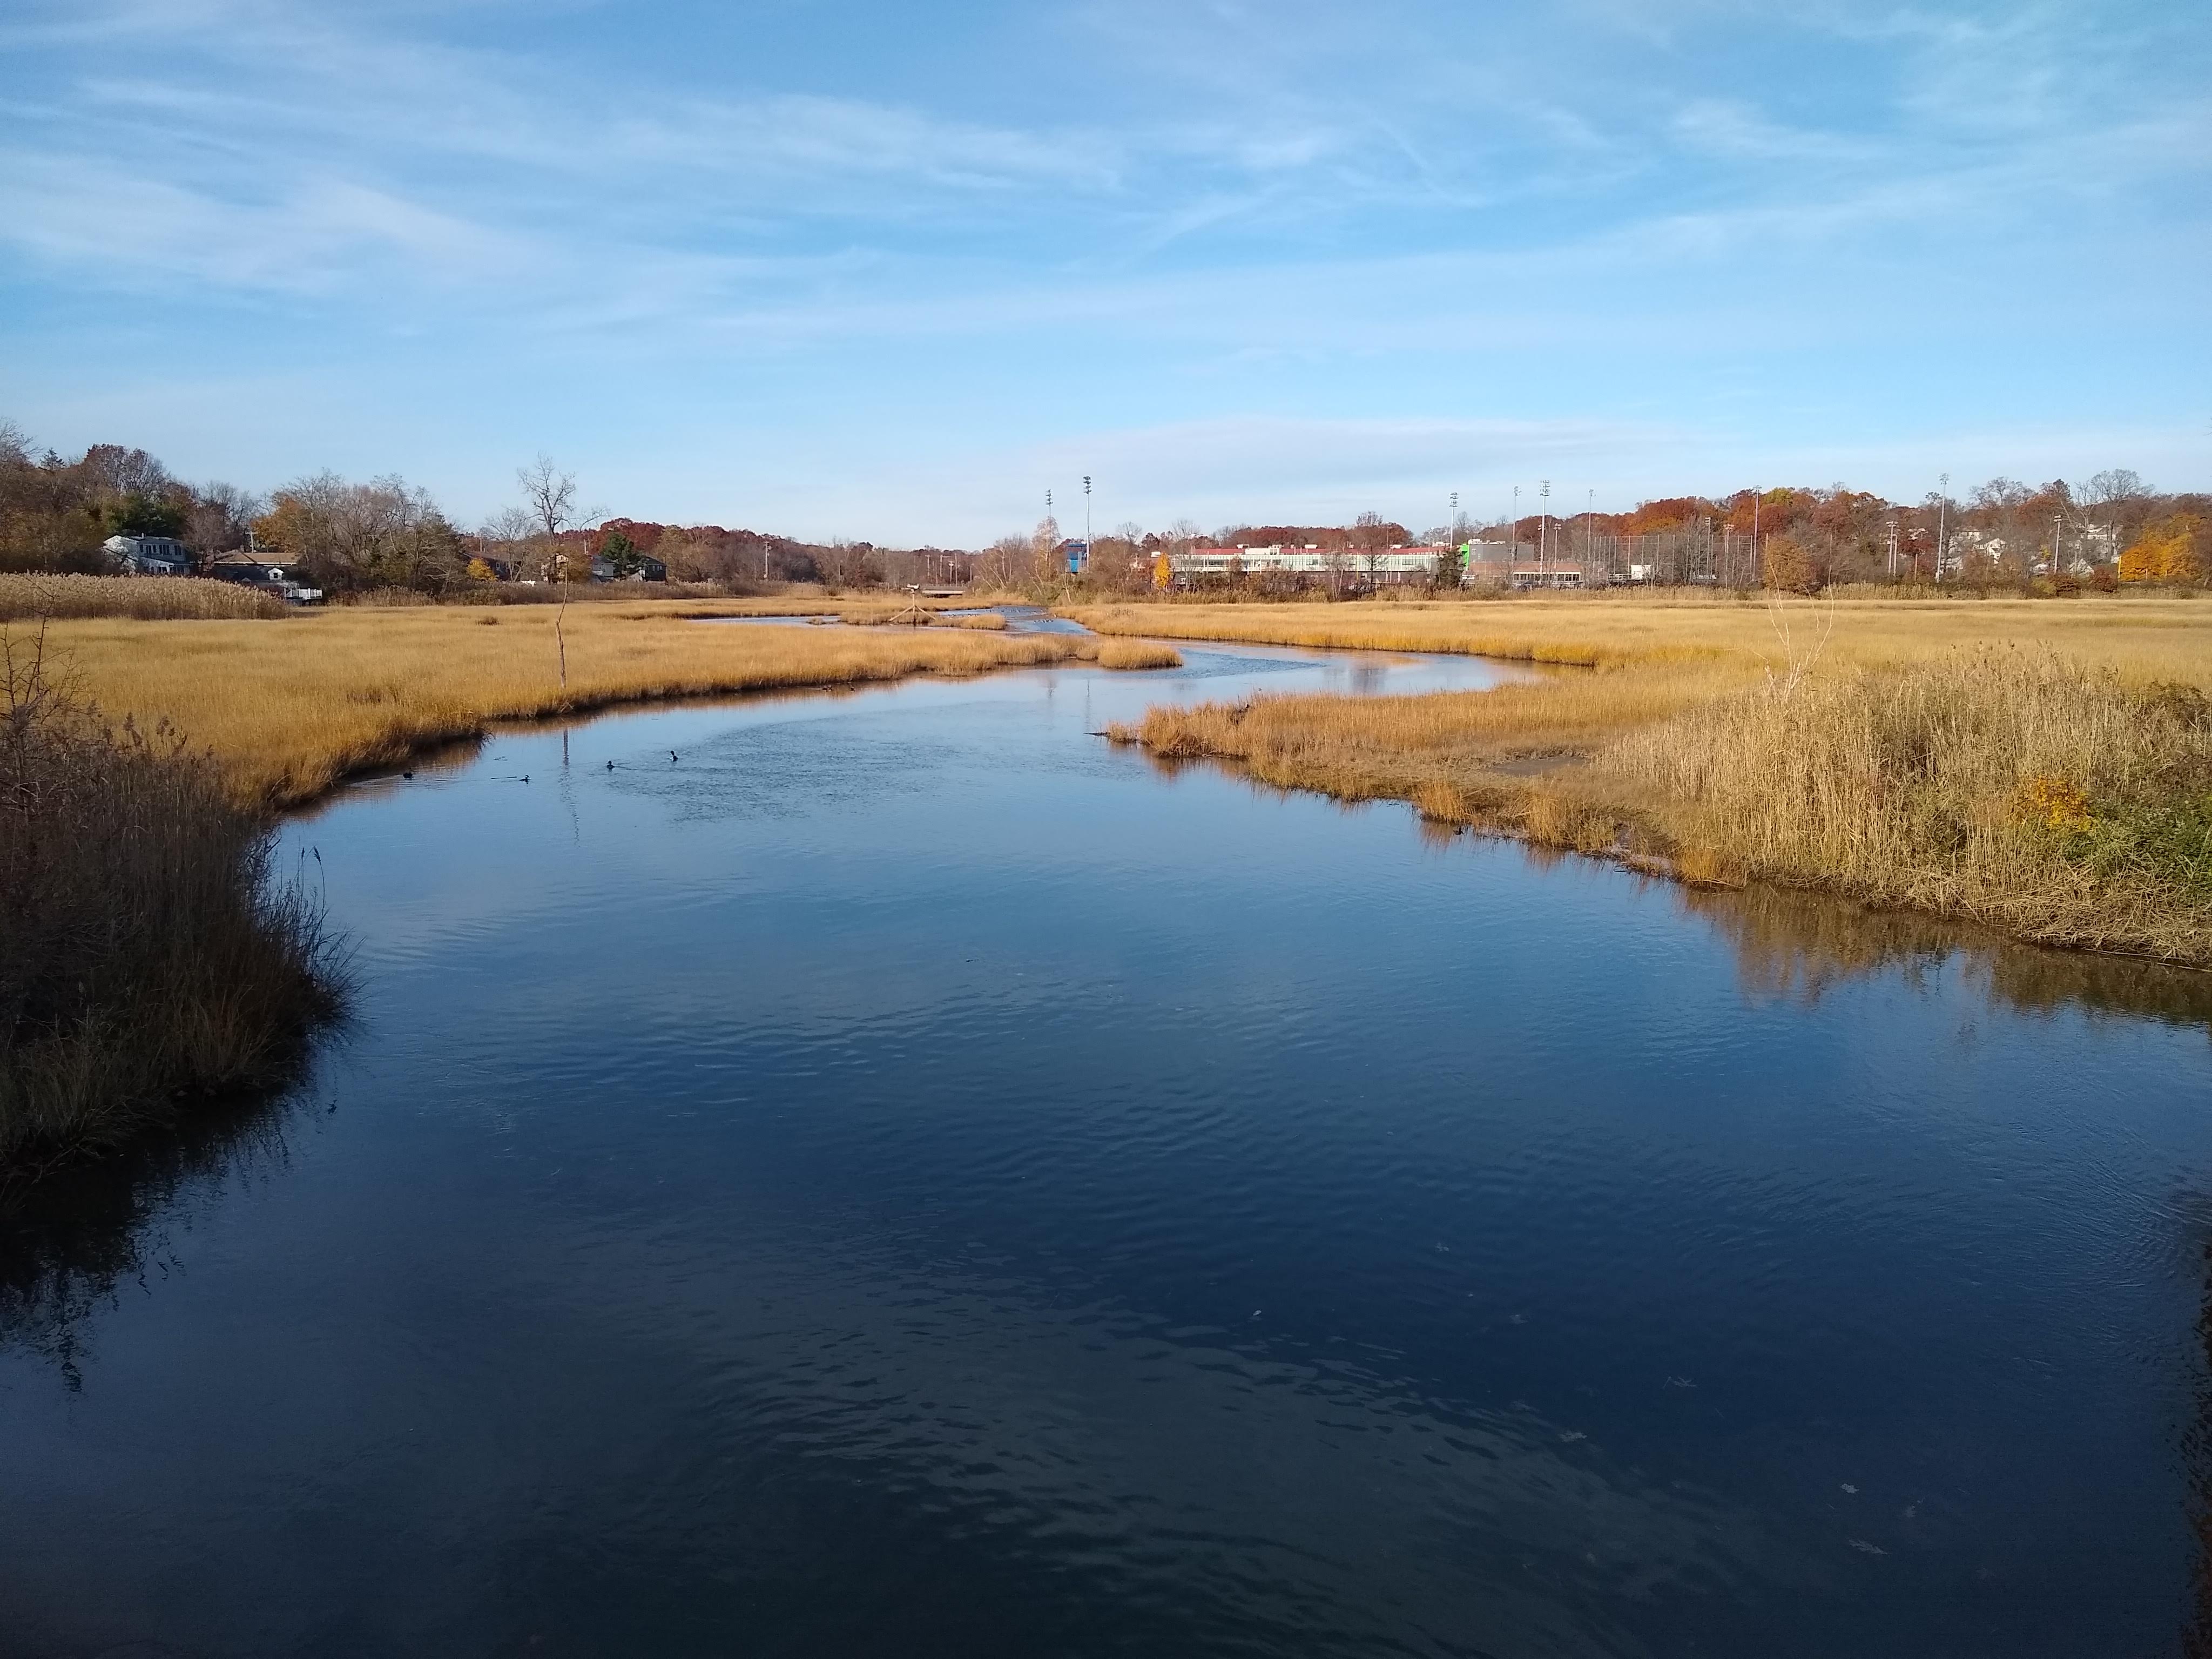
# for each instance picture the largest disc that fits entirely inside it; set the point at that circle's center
(219, 516)
(1370, 533)
(509, 524)
(382, 533)
(549, 495)
(2114, 484)
(2112, 494)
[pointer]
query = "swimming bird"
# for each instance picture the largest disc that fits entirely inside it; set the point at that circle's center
(526, 777)
(406, 775)
(672, 755)
(610, 766)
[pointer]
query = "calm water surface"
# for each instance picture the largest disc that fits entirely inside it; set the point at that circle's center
(904, 1177)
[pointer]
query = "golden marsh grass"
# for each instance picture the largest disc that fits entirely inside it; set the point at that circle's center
(290, 706)
(2042, 767)
(1138, 653)
(2144, 638)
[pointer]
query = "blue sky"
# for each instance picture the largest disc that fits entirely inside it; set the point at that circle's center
(893, 271)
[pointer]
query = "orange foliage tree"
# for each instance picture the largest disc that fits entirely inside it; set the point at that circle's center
(2170, 550)
(1790, 567)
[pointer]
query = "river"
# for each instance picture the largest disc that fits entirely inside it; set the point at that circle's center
(888, 1173)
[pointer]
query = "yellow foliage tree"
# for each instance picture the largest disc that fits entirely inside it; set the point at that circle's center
(2171, 551)
(285, 529)
(1790, 567)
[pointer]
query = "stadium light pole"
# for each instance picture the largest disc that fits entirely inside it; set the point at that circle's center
(1543, 531)
(1086, 521)
(1942, 519)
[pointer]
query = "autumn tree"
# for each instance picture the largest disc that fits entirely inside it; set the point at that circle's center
(1790, 566)
(383, 533)
(2172, 549)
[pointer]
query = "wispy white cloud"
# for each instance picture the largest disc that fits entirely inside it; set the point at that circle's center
(1654, 214)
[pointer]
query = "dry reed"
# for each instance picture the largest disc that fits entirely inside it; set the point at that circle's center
(2061, 794)
(146, 598)
(2013, 787)
(147, 957)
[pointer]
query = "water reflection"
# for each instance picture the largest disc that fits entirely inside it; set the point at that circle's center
(71, 1244)
(904, 1168)
(2197, 1452)
(1801, 946)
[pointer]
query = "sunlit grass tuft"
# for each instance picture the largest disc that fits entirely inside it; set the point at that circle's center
(1138, 653)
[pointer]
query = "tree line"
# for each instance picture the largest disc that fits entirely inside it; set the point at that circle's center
(2113, 528)
(349, 536)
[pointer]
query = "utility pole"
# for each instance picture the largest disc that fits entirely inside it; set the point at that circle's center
(1452, 534)
(1513, 557)
(1590, 513)
(1942, 513)
(1758, 573)
(1544, 532)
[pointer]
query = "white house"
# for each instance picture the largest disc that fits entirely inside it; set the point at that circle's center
(149, 555)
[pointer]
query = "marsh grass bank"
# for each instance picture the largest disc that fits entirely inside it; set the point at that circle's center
(2144, 638)
(2063, 801)
(289, 707)
(149, 957)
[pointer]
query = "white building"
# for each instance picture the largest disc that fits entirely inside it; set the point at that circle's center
(149, 555)
(1391, 565)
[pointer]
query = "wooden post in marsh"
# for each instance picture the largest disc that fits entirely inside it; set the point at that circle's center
(560, 640)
